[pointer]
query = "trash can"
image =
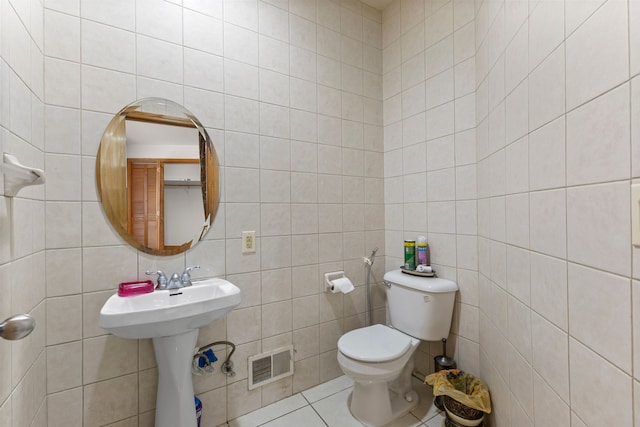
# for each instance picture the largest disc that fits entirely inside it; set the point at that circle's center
(466, 397)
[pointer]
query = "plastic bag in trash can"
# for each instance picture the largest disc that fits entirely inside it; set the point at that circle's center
(461, 386)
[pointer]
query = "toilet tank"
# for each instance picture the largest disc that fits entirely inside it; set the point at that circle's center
(420, 306)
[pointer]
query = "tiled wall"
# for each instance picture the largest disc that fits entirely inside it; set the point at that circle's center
(538, 100)
(429, 152)
(557, 146)
(290, 92)
(22, 219)
(555, 104)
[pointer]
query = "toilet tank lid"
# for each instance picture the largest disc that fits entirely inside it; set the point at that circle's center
(425, 284)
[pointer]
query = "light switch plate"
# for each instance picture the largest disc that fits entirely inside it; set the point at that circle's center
(248, 242)
(635, 214)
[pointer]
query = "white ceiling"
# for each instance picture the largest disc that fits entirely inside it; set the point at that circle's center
(378, 4)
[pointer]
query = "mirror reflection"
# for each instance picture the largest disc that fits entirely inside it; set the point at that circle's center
(158, 177)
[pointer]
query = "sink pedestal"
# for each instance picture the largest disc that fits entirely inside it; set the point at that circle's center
(172, 319)
(175, 405)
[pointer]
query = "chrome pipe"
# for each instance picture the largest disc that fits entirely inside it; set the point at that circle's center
(369, 263)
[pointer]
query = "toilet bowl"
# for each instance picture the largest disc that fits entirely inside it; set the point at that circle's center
(379, 358)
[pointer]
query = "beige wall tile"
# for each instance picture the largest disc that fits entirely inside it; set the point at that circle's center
(611, 381)
(28, 288)
(550, 352)
(613, 213)
(276, 318)
(96, 230)
(587, 161)
(277, 390)
(100, 398)
(305, 342)
(65, 408)
(63, 281)
(587, 303)
(250, 286)
(521, 383)
(276, 285)
(64, 366)
(29, 393)
(329, 333)
(635, 124)
(107, 357)
(5, 369)
(241, 400)
(91, 305)
(518, 274)
(328, 366)
(147, 419)
(26, 351)
(214, 407)
(305, 312)
(116, 263)
(146, 355)
(244, 325)
(611, 49)
(306, 374)
(130, 422)
(276, 342)
(61, 228)
(549, 408)
(5, 413)
(547, 216)
(148, 389)
(547, 150)
(64, 319)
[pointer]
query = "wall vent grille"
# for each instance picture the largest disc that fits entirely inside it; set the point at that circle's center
(268, 367)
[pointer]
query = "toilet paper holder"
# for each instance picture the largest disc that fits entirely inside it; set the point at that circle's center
(329, 277)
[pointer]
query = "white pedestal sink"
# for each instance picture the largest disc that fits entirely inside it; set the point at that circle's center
(171, 319)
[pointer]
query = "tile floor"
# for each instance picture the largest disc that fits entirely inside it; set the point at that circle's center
(326, 406)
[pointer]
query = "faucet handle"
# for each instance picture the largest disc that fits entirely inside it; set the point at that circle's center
(162, 278)
(186, 277)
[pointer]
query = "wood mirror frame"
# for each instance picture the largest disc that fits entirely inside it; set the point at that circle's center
(115, 177)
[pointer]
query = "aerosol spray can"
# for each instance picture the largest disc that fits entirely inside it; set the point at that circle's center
(409, 254)
(423, 251)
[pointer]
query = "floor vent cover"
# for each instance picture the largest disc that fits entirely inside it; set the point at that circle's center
(271, 366)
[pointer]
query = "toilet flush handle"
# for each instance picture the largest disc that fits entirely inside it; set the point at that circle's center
(387, 284)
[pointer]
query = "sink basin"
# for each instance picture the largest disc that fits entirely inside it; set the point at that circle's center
(171, 318)
(166, 313)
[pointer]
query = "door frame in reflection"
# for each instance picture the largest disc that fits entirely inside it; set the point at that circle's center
(146, 200)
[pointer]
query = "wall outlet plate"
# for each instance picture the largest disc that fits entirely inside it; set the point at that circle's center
(248, 242)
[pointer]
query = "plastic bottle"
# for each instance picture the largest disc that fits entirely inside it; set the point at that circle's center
(423, 251)
(198, 409)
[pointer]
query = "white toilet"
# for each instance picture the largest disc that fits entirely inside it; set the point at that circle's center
(379, 358)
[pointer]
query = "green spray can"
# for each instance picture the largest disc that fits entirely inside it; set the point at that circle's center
(409, 254)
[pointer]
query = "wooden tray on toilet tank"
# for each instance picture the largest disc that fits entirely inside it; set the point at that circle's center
(418, 273)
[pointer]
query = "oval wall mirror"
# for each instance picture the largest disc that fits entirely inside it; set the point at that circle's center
(157, 175)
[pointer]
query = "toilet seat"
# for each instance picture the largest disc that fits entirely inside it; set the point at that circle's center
(375, 343)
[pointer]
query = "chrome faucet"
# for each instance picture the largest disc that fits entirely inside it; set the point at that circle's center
(177, 281)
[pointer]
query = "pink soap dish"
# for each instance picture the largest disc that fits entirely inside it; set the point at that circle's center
(130, 289)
